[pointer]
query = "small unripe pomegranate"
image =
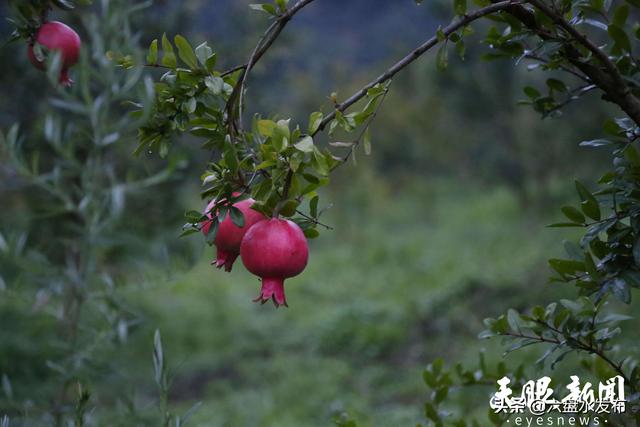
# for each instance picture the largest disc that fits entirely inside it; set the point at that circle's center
(274, 250)
(57, 36)
(229, 236)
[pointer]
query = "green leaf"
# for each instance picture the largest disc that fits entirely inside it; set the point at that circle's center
(265, 164)
(620, 37)
(230, 156)
(557, 85)
(513, 318)
(591, 209)
(214, 84)
(573, 214)
(564, 266)
(612, 128)
(189, 231)
(204, 52)
(281, 135)
(319, 163)
(266, 127)
(185, 51)
(442, 58)
(305, 144)
(282, 4)
(589, 203)
(460, 7)
(193, 217)
(366, 141)
(213, 231)
(264, 7)
(237, 216)
(620, 15)
(531, 92)
(288, 208)
(152, 56)
(431, 412)
(168, 56)
(311, 233)
(315, 119)
(313, 206)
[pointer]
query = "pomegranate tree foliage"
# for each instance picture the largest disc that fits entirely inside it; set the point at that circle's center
(585, 46)
(277, 162)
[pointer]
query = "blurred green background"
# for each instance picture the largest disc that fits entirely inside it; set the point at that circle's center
(441, 226)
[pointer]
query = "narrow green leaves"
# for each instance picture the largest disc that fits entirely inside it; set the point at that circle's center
(442, 57)
(315, 119)
(152, 55)
(168, 55)
(185, 52)
(589, 205)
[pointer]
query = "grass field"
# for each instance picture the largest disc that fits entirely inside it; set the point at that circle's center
(404, 277)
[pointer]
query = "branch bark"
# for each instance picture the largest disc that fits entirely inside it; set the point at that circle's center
(607, 77)
(263, 45)
(415, 54)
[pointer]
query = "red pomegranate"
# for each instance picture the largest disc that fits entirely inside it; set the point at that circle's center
(274, 250)
(57, 36)
(229, 236)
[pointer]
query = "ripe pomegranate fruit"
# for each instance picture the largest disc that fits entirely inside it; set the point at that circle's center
(229, 236)
(274, 249)
(57, 36)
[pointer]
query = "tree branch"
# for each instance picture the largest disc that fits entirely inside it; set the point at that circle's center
(263, 45)
(415, 54)
(579, 37)
(609, 79)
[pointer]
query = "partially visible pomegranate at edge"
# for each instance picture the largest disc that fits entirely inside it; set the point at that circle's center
(274, 249)
(57, 36)
(229, 236)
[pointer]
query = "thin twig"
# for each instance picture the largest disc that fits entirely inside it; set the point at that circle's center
(590, 348)
(364, 129)
(415, 54)
(609, 80)
(572, 96)
(562, 67)
(233, 70)
(579, 37)
(157, 66)
(263, 45)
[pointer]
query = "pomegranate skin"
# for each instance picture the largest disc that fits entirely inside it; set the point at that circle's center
(54, 36)
(274, 250)
(229, 236)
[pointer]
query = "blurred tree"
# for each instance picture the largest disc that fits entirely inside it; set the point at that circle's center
(65, 262)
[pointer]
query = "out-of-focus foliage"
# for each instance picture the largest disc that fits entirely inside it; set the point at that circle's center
(67, 259)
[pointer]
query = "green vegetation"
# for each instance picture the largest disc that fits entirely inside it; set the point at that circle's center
(364, 317)
(442, 225)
